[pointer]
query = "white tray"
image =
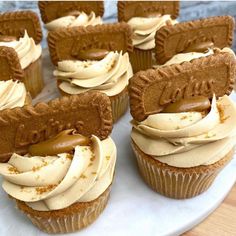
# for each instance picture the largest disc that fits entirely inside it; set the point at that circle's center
(134, 209)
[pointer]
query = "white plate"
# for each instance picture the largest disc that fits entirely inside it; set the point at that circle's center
(134, 209)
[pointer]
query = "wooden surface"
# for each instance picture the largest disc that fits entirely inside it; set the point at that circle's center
(222, 222)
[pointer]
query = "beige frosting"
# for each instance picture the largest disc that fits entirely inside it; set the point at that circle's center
(82, 178)
(26, 49)
(182, 57)
(12, 94)
(109, 75)
(70, 21)
(188, 139)
(144, 30)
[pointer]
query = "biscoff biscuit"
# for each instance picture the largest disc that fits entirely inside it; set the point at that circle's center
(89, 113)
(66, 43)
(15, 24)
(10, 67)
(129, 9)
(173, 39)
(51, 10)
(152, 90)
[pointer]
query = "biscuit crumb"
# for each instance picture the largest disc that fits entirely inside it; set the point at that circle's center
(183, 117)
(41, 190)
(13, 170)
(223, 118)
(83, 176)
(36, 168)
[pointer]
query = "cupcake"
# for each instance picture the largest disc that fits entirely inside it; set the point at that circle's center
(194, 39)
(184, 124)
(145, 19)
(21, 31)
(81, 158)
(100, 61)
(69, 14)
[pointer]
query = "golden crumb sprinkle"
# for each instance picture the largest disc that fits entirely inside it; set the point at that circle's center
(94, 173)
(69, 156)
(210, 135)
(92, 158)
(223, 118)
(36, 168)
(41, 190)
(83, 176)
(13, 170)
(108, 158)
(183, 117)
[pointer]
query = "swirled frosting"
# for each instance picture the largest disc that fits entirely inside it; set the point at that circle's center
(109, 75)
(70, 21)
(26, 49)
(189, 56)
(144, 29)
(12, 94)
(188, 139)
(79, 178)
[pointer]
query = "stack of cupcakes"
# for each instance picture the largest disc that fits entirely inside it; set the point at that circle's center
(184, 123)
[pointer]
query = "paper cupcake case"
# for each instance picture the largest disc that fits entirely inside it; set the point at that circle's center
(178, 183)
(33, 77)
(70, 219)
(141, 59)
(119, 104)
(28, 99)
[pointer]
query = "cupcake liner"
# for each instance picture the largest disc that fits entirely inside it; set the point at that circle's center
(70, 219)
(28, 99)
(33, 79)
(178, 183)
(141, 59)
(119, 104)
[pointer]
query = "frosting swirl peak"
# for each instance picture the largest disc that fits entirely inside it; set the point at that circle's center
(80, 177)
(188, 139)
(12, 94)
(70, 21)
(109, 75)
(26, 49)
(144, 29)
